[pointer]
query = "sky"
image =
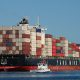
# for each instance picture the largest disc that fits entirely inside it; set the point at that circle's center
(60, 17)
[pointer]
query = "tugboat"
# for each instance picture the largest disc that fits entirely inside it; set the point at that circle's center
(42, 67)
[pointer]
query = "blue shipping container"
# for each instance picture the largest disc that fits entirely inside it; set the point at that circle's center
(38, 30)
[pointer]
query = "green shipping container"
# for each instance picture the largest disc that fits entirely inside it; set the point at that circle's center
(70, 55)
(58, 44)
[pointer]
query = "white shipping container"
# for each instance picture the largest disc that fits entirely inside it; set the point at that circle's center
(25, 32)
(33, 43)
(26, 40)
(49, 54)
(38, 45)
(38, 42)
(14, 48)
(48, 39)
(33, 46)
(10, 52)
(33, 38)
(10, 36)
(33, 49)
(17, 28)
(13, 36)
(3, 48)
(74, 55)
(4, 32)
(77, 54)
(13, 31)
(7, 28)
(66, 53)
(25, 27)
(20, 36)
(32, 33)
(13, 40)
(17, 52)
(17, 44)
(20, 44)
(17, 40)
(33, 53)
(38, 34)
(20, 47)
(43, 38)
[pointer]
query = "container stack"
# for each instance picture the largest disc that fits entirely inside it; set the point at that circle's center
(74, 50)
(38, 42)
(25, 42)
(59, 47)
(54, 47)
(43, 43)
(6, 40)
(48, 43)
(64, 44)
(33, 41)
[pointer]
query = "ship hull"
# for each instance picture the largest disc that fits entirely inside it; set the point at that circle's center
(23, 63)
(28, 68)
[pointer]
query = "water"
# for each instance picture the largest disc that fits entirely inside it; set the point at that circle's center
(61, 75)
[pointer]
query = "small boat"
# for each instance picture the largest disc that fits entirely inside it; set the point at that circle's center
(42, 67)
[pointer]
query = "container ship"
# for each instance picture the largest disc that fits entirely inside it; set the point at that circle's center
(23, 46)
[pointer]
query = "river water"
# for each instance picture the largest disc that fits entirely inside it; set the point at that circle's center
(56, 75)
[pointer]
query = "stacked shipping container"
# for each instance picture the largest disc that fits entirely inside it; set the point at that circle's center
(48, 43)
(32, 41)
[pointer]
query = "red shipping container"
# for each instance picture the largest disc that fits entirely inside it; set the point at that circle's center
(54, 54)
(54, 47)
(38, 37)
(26, 52)
(73, 44)
(60, 55)
(38, 52)
(17, 36)
(54, 40)
(62, 38)
(42, 46)
(70, 51)
(58, 41)
(8, 48)
(25, 48)
(53, 44)
(14, 43)
(48, 36)
(53, 51)
(5, 35)
(58, 48)
(25, 35)
(25, 43)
